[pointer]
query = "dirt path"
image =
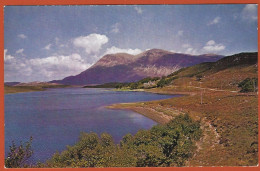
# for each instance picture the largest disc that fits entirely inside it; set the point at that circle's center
(212, 89)
(206, 146)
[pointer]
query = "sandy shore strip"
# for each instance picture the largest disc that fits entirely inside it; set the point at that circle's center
(154, 110)
(157, 113)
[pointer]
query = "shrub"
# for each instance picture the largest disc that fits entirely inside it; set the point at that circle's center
(249, 85)
(19, 155)
(133, 85)
(163, 145)
(165, 81)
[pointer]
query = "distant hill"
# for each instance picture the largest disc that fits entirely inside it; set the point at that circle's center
(11, 83)
(18, 87)
(124, 67)
(37, 83)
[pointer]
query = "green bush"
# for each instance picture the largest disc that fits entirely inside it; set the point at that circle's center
(163, 145)
(249, 85)
(136, 85)
(165, 81)
(133, 86)
(19, 155)
(147, 79)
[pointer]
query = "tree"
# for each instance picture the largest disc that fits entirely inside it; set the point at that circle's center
(19, 155)
(149, 156)
(133, 85)
(106, 140)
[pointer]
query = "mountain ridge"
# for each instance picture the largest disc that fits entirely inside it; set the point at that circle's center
(123, 67)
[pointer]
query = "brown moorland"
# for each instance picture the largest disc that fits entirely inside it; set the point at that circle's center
(229, 118)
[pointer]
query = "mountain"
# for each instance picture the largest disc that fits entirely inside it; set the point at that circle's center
(122, 67)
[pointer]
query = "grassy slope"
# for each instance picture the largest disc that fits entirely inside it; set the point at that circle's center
(229, 119)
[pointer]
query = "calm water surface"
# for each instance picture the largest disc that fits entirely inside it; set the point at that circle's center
(55, 118)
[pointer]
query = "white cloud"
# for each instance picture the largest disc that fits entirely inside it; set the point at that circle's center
(138, 10)
(186, 45)
(216, 20)
(57, 40)
(115, 28)
(91, 43)
(191, 51)
(211, 42)
(43, 69)
(14, 67)
(57, 67)
(47, 47)
(19, 51)
(22, 36)
(211, 46)
(114, 50)
(249, 12)
(180, 33)
(7, 57)
(188, 49)
(5, 51)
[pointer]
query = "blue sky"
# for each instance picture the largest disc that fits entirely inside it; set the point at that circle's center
(43, 43)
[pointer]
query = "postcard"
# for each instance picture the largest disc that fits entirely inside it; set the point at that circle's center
(154, 85)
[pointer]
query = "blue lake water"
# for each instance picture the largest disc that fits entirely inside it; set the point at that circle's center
(55, 118)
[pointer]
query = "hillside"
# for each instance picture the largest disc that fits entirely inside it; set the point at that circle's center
(123, 67)
(225, 73)
(228, 117)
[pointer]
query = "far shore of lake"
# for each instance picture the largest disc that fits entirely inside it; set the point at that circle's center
(25, 89)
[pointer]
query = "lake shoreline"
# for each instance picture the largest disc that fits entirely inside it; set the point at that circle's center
(151, 112)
